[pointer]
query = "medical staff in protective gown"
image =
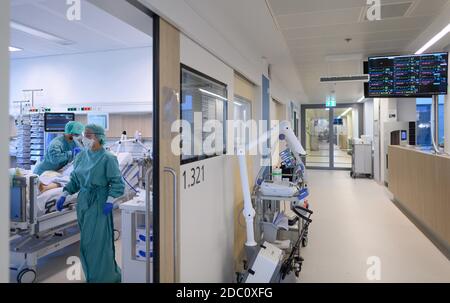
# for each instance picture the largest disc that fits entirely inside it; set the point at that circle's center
(62, 150)
(97, 179)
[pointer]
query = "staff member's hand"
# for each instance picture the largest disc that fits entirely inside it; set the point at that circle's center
(60, 202)
(107, 209)
(76, 151)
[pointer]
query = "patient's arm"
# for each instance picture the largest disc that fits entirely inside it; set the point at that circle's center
(44, 188)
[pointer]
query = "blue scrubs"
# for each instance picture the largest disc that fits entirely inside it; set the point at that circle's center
(96, 176)
(59, 153)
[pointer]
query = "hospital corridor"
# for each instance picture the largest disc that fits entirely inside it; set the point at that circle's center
(165, 144)
(358, 221)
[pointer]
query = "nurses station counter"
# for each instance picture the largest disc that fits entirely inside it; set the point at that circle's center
(420, 183)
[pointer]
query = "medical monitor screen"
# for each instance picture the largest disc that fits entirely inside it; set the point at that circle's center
(404, 135)
(56, 122)
(408, 76)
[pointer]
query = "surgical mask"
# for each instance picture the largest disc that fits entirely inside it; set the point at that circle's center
(87, 143)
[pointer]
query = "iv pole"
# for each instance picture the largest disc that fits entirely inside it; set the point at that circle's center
(32, 91)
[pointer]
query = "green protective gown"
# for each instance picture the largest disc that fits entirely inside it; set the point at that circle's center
(59, 153)
(96, 176)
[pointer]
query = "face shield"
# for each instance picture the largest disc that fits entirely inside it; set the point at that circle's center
(78, 139)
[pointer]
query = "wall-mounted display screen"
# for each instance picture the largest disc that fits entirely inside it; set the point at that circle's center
(56, 122)
(101, 119)
(408, 76)
(404, 135)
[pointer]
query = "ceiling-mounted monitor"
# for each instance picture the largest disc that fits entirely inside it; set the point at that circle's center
(408, 76)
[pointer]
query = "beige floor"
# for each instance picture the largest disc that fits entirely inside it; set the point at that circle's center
(53, 268)
(354, 220)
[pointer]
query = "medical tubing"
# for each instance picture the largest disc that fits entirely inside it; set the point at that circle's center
(129, 185)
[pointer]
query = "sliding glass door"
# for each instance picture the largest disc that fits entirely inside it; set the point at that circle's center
(327, 135)
(343, 130)
(317, 137)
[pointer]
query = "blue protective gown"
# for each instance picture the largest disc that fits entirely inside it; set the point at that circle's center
(59, 153)
(96, 176)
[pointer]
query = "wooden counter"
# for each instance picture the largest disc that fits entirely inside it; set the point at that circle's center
(420, 183)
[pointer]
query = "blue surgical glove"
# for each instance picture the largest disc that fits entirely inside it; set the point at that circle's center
(60, 203)
(76, 151)
(107, 209)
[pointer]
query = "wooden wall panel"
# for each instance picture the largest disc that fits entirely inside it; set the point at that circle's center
(244, 88)
(169, 111)
(420, 182)
(129, 122)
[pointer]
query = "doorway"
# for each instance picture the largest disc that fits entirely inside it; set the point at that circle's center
(103, 67)
(327, 135)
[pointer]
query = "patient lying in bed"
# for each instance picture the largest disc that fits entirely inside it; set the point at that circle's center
(51, 183)
(52, 179)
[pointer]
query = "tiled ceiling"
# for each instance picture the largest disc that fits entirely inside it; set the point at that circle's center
(316, 33)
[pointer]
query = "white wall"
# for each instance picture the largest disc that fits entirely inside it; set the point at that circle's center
(180, 14)
(406, 109)
(117, 81)
(4, 134)
(387, 107)
(368, 118)
(355, 123)
(376, 140)
(280, 93)
(379, 109)
(382, 108)
(207, 209)
(248, 63)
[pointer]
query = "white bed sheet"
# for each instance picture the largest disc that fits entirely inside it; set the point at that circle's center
(46, 201)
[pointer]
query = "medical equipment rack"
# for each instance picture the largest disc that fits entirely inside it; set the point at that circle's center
(265, 230)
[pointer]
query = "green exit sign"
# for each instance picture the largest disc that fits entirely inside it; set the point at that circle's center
(331, 103)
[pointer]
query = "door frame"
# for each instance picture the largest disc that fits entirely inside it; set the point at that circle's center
(166, 90)
(304, 107)
(156, 138)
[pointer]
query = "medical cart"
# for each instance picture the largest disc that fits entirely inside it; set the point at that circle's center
(362, 160)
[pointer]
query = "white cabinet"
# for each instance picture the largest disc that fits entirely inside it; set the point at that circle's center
(362, 159)
(133, 244)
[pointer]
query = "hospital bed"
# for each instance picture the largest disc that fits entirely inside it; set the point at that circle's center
(37, 229)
